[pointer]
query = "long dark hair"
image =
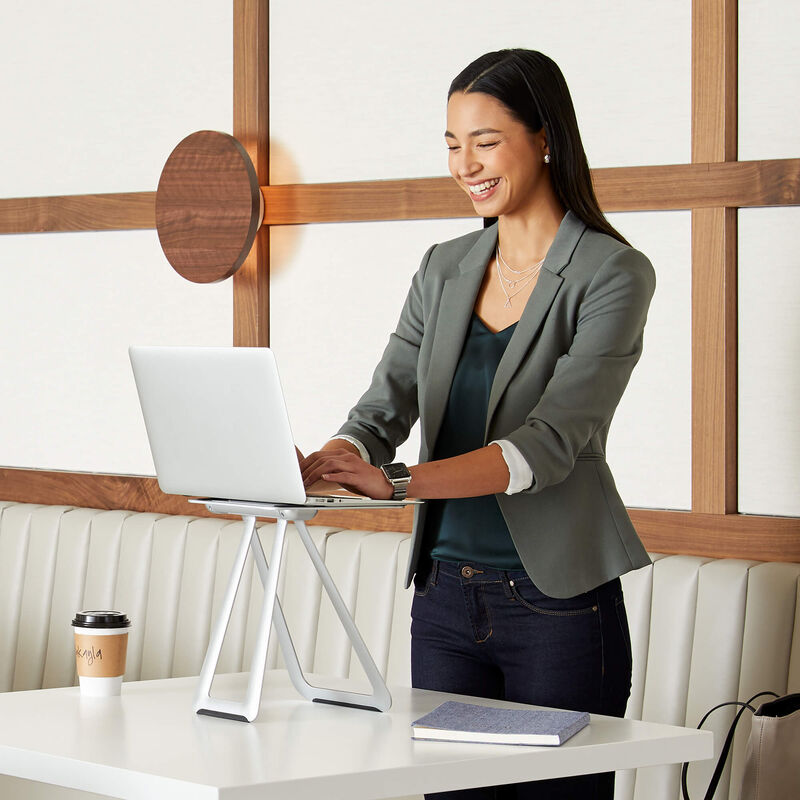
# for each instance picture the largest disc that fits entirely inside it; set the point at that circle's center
(530, 85)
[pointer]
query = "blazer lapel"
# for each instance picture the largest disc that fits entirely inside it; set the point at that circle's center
(455, 311)
(537, 307)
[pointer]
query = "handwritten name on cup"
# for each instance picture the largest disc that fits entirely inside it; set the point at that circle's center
(101, 656)
(88, 654)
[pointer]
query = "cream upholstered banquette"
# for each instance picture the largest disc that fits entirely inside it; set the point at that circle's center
(703, 630)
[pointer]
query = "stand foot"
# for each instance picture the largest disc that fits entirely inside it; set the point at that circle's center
(207, 712)
(342, 703)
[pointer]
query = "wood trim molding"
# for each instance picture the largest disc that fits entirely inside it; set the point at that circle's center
(251, 128)
(735, 184)
(738, 184)
(360, 201)
(92, 490)
(719, 536)
(656, 188)
(714, 261)
(714, 80)
(83, 212)
(714, 360)
(711, 535)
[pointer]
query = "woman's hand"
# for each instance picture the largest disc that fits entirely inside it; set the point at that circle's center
(348, 470)
(472, 474)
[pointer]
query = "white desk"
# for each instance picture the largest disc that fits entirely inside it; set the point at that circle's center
(148, 743)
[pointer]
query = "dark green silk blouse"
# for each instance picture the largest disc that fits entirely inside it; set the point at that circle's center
(471, 528)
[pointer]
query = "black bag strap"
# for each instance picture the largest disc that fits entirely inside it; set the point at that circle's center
(723, 756)
(781, 707)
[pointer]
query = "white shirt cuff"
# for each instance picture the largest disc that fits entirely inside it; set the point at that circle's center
(520, 475)
(362, 451)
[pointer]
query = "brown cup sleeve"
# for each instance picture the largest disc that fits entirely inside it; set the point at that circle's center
(101, 656)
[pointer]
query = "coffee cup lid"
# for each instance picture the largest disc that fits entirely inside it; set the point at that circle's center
(101, 619)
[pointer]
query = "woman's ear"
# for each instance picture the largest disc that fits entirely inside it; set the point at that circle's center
(541, 138)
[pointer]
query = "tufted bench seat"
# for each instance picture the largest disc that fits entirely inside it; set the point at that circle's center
(703, 630)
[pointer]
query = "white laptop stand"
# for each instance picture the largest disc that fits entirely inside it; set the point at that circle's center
(247, 710)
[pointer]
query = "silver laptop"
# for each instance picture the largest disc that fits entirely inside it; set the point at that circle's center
(218, 426)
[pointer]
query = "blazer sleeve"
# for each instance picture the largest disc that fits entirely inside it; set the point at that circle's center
(588, 381)
(386, 412)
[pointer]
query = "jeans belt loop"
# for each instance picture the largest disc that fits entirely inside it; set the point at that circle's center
(434, 572)
(507, 585)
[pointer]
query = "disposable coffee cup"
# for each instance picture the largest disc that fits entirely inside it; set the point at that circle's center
(101, 645)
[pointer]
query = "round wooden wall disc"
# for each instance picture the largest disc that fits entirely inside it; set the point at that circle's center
(208, 206)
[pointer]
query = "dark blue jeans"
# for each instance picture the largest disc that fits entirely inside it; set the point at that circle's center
(485, 632)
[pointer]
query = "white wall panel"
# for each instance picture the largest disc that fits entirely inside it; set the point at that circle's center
(70, 305)
(769, 355)
(358, 89)
(649, 444)
(97, 94)
(336, 294)
(769, 76)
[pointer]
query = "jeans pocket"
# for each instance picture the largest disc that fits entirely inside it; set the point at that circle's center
(422, 585)
(528, 596)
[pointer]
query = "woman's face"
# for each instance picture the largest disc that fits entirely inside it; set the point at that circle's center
(493, 157)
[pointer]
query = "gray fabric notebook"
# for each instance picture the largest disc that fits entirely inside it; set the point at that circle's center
(463, 722)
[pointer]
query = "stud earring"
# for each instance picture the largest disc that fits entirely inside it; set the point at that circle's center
(547, 158)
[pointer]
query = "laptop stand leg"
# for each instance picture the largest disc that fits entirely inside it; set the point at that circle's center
(380, 699)
(247, 710)
(271, 612)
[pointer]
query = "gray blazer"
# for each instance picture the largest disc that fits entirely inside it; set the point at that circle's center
(553, 396)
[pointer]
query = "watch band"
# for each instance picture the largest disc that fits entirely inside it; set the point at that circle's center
(399, 477)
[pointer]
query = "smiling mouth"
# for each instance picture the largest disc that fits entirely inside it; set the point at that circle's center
(480, 188)
(483, 188)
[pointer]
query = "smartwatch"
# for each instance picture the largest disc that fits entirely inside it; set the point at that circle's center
(398, 475)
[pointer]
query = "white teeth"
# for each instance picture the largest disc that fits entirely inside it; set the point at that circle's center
(482, 187)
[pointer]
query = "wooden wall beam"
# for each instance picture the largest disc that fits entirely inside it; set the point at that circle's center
(251, 128)
(361, 201)
(741, 184)
(714, 80)
(712, 535)
(714, 263)
(92, 490)
(85, 212)
(656, 188)
(714, 360)
(716, 536)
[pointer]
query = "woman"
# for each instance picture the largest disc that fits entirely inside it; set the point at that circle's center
(513, 348)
